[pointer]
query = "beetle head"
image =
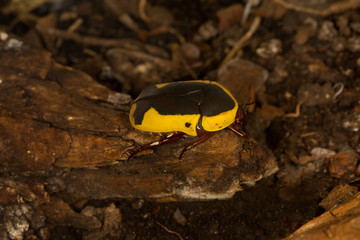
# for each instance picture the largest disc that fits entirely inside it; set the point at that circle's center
(240, 117)
(199, 129)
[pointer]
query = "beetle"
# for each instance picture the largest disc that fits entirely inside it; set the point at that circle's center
(196, 108)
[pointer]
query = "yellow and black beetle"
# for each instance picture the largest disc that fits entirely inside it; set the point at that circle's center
(196, 108)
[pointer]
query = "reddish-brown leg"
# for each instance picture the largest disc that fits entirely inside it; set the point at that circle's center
(203, 139)
(238, 132)
(169, 139)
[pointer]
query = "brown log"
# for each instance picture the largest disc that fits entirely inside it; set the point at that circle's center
(59, 124)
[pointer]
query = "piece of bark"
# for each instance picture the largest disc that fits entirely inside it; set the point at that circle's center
(338, 195)
(207, 172)
(54, 117)
(341, 223)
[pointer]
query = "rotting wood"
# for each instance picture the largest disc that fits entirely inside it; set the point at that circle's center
(54, 124)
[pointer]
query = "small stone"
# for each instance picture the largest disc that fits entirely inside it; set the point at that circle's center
(240, 76)
(318, 66)
(322, 152)
(269, 49)
(352, 122)
(317, 153)
(229, 16)
(179, 217)
(327, 31)
(111, 227)
(207, 30)
(353, 44)
(343, 163)
(288, 95)
(119, 98)
(88, 211)
(112, 221)
(190, 51)
(13, 43)
(304, 32)
(4, 36)
(137, 204)
(338, 44)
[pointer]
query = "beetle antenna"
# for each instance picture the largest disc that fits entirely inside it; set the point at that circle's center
(250, 103)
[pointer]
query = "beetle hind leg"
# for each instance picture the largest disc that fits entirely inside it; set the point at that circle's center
(173, 137)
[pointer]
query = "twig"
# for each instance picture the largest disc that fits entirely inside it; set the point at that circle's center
(246, 11)
(297, 112)
(142, 14)
(86, 40)
(169, 231)
(163, 63)
(336, 7)
(307, 134)
(103, 42)
(73, 27)
(338, 92)
(166, 29)
(239, 44)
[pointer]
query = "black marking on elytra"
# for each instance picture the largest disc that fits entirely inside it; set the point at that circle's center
(187, 124)
(184, 98)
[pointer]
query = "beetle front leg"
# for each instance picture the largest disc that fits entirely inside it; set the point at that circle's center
(173, 137)
(237, 131)
(201, 140)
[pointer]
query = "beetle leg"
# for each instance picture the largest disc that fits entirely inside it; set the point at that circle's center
(169, 139)
(237, 131)
(203, 139)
